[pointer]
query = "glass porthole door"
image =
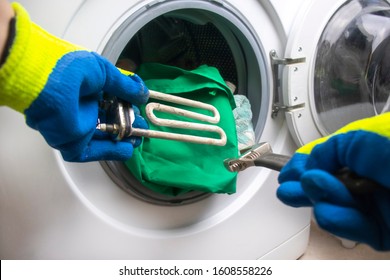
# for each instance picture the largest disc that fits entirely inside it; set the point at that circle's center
(346, 73)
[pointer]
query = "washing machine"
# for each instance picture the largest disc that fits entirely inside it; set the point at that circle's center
(287, 57)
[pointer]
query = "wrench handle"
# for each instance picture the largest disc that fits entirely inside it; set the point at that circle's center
(356, 184)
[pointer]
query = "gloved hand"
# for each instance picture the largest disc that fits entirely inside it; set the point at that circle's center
(362, 146)
(58, 85)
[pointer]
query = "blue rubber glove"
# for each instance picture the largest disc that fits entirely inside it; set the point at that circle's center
(307, 180)
(58, 86)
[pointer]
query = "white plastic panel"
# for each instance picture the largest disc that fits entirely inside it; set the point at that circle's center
(53, 15)
(75, 211)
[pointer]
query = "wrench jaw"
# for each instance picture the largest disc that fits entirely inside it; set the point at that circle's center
(239, 165)
(235, 165)
(248, 157)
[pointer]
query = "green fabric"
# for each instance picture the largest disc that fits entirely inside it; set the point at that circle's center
(173, 167)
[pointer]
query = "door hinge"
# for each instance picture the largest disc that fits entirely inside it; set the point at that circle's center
(275, 63)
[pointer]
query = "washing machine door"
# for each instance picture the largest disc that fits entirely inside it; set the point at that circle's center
(338, 66)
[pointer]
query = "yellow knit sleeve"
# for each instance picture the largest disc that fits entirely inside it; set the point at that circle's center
(33, 55)
(378, 124)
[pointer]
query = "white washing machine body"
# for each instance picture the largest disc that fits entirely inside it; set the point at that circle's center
(51, 209)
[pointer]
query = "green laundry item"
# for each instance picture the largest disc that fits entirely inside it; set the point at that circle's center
(172, 167)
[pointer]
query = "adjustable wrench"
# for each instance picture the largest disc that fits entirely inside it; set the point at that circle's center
(261, 155)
